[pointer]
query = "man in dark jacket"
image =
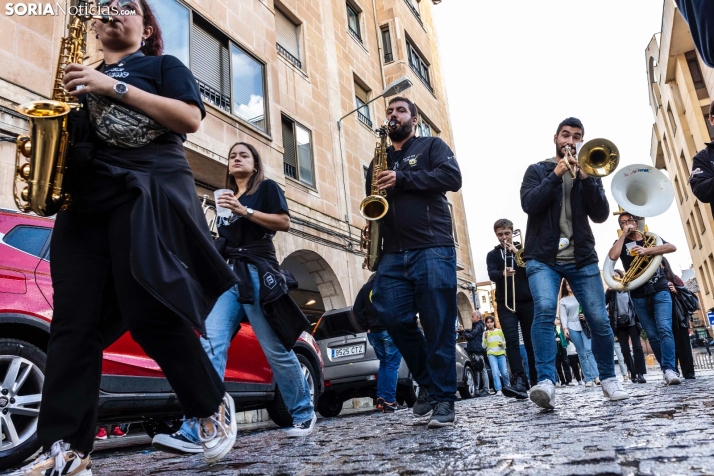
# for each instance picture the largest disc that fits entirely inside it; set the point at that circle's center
(477, 353)
(702, 178)
(417, 272)
(502, 269)
(560, 244)
(389, 357)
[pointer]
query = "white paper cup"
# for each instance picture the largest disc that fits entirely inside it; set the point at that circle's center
(220, 211)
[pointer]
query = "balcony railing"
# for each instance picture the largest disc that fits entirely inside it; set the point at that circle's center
(424, 80)
(290, 170)
(355, 34)
(286, 54)
(414, 11)
(214, 96)
(364, 119)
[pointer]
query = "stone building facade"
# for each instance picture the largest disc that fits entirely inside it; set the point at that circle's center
(681, 89)
(278, 74)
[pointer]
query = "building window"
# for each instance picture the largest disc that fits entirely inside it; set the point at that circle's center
(705, 278)
(424, 128)
(700, 219)
(174, 20)
(710, 128)
(691, 234)
(297, 155)
(711, 268)
(667, 152)
(678, 188)
(419, 65)
(697, 233)
(287, 35)
(454, 234)
(684, 172)
(361, 100)
(414, 7)
(483, 299)
(672, 122)
(387, 45)
(227, 76)
(353, 22)
(695, 72)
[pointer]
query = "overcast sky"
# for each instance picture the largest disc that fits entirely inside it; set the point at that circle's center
(515, 69)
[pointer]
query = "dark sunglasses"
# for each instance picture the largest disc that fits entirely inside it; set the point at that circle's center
(123, 4)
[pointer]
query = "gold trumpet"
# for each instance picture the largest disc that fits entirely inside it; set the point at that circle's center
(596, 157)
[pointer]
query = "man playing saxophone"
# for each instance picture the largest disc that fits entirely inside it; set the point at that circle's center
(417, 272)
(652, 300)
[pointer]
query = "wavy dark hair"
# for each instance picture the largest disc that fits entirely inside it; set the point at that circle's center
(257, 177)
(153, 45)
(491, 318)
(564, 290)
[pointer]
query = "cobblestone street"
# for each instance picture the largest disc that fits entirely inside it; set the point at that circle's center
(658, 431)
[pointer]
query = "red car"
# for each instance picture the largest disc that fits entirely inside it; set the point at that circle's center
(133, 388)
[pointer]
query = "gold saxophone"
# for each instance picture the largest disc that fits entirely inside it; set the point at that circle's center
(45, 150)
(375, 206)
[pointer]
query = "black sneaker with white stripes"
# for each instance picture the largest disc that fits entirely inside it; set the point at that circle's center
(175, 443)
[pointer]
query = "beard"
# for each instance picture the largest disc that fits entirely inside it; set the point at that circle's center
(401, 132)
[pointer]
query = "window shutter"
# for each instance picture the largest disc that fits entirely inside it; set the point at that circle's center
(286, 33)
(360, 93)
(210, 60)
(289, 159)
(174, 21)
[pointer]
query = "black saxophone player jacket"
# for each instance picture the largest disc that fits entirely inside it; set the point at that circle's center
(419, 215)
(702, 178)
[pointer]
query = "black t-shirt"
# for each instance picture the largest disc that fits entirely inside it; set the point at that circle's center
(269, 198)
(658, 280)
(163, 75)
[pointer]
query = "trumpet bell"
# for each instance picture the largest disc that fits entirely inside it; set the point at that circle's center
(598, 157)
(373, 207)
(642, 190)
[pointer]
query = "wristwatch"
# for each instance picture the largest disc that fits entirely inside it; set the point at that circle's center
(120, 89)
(249, 213)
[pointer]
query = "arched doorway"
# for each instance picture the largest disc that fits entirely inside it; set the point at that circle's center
(465, 309)
(319, 290)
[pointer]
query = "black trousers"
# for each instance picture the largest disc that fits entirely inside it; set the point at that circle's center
(575, 366)
(638, 364)
(90, 271)
(509, 325)
(562, 365)
(683, 349)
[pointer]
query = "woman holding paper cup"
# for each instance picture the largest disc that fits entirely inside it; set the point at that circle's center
(257, 209)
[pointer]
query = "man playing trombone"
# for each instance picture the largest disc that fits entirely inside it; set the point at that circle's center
(559, 198)
(514, 304)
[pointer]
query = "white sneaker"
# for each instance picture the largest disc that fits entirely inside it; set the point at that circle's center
(543, 394)
(571, 384)
(302, 429)
(176, 443)
(671, 377)
(218, 432)
(597, 381)
(589, 384)
(499, 393)
(612, 389)
(580, 382)
(59, 460)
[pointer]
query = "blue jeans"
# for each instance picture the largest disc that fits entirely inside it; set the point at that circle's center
(498, 367)
(389, 361)
(524, 357)
(658, 327)
(222, 323)
(585, 353)
(421, 281)
(586, 284)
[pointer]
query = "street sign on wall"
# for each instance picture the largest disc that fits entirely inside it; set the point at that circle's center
(710, 315)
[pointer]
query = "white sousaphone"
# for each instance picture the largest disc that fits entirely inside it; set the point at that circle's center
(642, 191)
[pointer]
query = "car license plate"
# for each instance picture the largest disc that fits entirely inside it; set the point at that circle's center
(348, 351)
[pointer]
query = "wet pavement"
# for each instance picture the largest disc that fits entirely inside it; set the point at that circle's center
(660, 430)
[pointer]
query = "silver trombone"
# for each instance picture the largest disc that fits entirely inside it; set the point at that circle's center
(516, 260)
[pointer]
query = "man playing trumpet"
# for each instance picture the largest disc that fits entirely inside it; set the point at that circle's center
(560, 244)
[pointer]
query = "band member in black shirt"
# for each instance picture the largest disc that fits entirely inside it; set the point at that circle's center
(652, 300)
(417, 273)
(134, 250)
(501, 262)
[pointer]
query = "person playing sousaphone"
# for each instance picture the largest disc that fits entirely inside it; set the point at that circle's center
(652, 300)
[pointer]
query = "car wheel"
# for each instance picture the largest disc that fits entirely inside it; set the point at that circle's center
(406, 395)
(469, 388)
(329, 405)
(277, 409)
(155, 426)
(22, 374)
